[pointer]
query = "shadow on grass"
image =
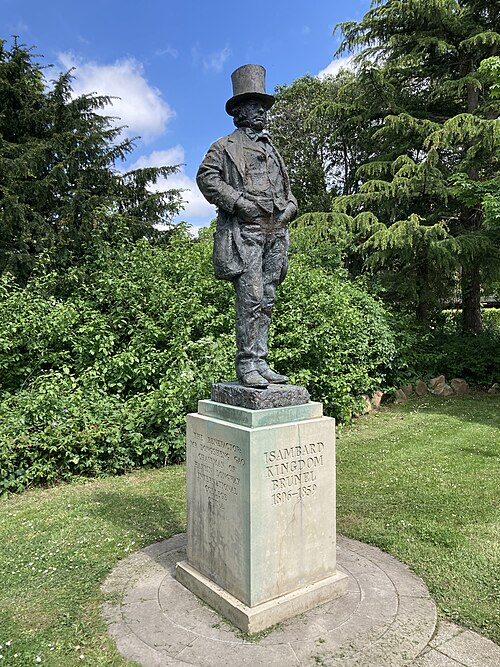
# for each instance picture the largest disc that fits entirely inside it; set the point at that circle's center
(480, 452)
(151, 517)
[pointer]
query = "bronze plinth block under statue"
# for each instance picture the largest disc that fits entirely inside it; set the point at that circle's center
(245, 177)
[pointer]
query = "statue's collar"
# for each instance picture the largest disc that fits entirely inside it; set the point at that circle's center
(256, 136)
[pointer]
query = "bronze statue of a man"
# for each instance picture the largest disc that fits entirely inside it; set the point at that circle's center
(245, 177)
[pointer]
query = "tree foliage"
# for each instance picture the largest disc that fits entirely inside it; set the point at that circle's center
(419, 115)
(306, 153)
(60, 188)
(320, 128)
(426, 57)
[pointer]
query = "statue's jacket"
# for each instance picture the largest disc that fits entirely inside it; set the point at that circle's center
(223, 178)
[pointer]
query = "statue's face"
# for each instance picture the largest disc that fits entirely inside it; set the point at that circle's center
(255, 113)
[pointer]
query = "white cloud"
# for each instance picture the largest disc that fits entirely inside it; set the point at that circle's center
(167, 51)
(197, 210)
(174, 155)
(18, 28)
(336, 65)
(140, 107)
(213, 61)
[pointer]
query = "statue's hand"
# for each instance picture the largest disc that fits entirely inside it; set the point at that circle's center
(247, 210)
(287, 215)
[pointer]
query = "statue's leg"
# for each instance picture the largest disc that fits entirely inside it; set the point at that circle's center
(274, 252)
(249, 295)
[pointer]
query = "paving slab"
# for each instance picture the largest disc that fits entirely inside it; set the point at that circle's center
(386, 619)
(471, 649)
(444, 632)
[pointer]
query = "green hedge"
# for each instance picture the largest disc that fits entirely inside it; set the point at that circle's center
(98, 368)
(331, 336)
(445, 349)
(491, 319)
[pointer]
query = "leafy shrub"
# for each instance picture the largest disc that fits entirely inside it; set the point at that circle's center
(426, 353)
(491, 318)
(98, 368)
(331, 336)
(474, 357)
(98, 371)
(56, 429)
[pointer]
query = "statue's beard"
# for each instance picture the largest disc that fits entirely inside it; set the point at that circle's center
(255, 124)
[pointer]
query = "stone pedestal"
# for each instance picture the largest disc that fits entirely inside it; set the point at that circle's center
(261, 511)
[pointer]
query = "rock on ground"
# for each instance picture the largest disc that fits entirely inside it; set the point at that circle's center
(421, 388)
(460, 386)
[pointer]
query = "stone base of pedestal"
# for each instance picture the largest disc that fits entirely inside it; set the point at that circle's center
(261, 511)
(262, 616)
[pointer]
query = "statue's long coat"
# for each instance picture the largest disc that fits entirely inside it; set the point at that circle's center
(221, 178)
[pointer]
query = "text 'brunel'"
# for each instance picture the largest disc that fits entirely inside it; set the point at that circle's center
(292, 471)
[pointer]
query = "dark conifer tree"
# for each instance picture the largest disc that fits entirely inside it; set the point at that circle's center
(61, 191)
(420, 60)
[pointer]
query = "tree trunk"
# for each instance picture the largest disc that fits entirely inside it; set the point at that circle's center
(422, 307)
(471, 276)
(422, 313)
(471, 295)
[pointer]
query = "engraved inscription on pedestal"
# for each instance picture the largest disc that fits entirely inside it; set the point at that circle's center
(217, 464)
(295, 478)
(217, 493)
(293, 471)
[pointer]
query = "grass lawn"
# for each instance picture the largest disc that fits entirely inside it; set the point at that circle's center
(58, 545)
(419, 480)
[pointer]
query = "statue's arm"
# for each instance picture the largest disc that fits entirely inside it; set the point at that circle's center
(210, 180)
(291, 209)
(292, 202)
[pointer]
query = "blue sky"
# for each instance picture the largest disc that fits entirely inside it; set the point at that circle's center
(171, 63)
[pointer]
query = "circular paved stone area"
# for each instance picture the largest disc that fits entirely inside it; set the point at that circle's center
(385, 620)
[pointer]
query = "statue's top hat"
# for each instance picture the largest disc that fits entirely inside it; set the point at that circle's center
(249, 82)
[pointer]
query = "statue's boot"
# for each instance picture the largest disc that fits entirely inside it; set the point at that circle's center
(254, 379)
(272, 376)
(262, 366)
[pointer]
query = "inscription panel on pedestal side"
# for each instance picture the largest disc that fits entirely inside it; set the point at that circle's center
(217, 467)
(292, 472)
